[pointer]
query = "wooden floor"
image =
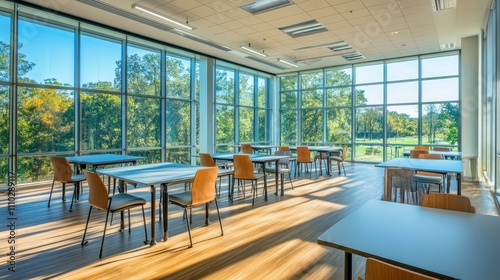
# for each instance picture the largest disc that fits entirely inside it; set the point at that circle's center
(275, 239)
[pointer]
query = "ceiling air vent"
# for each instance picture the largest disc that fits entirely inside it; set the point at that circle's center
(303, 28)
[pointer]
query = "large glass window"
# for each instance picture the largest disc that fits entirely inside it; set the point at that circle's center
(40, 45)
(391, 106)
(5, 47)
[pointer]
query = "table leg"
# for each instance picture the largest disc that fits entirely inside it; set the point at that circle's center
(265, 180)
(164, 193)
(153, 214)
(459, 184)
(207, 220)
(276, 174)
(347, 266)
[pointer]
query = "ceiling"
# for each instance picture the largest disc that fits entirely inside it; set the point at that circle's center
(377, 29)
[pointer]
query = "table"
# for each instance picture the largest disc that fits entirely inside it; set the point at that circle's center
(323, 149)
(81, 162)
(441, 166)
(439, 243)
(150, 175)
(103, 159)
(445, 154)
(261, 159)
(267, 148)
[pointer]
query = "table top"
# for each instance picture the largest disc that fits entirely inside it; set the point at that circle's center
(432, 165)
(320, 148)
(254, 157)
(449, 154)
(152, 174)
(103, 159)
(440, 243)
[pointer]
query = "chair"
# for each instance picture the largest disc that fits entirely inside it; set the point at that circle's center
(416, 153)
(304, 157)
(208, 161)
(244, 171)
(283, 167)
(100, 199)
(291, 159)
(64, 174)
(431, 178)
(340, 160)
(441, 149)
(400, 179)
(246, 149)
(379, 270)
(421, 148)
(202, 192)
(448, 201)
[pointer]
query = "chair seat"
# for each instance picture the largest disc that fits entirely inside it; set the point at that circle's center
(427, 179)
(280, 170)
(77, 178)
(123, 201)
(183, 198)
(335, 158)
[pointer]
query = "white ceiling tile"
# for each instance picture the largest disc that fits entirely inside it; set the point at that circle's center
(331, 19)
(311, 5)
(323, 12)
(349, 6)
(185, 5)
(359, 13)
(371, 3)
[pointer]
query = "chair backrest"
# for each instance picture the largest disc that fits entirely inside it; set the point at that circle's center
(62, 169)
(283, 161)
(421, 148)
(283, 148)
(203, 188)
(416, 153)
(442, 149)
(246, 148)
(430, 156)
(206, 160)
(303, 154)
(379, 270)
(396, 178)
(98, 194)
(448, 201)
(243, 167)
(344, 153)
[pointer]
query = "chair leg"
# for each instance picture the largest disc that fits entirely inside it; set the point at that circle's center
(51, 189)
(254, 193)
(104, 233)
(189, 228)
(63, 192)
(343, 167)
(146, 241)
(86, 226)
(290, 177)
(218, 214)
(129, 227)
(75, 190)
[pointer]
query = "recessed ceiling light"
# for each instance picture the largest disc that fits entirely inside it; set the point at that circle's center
(339, 46)
(448, 46)
(439, 5)
(288, 63)
(394, 32)
(303, 28)
(249, 49)
(158, 15)
(261, 6)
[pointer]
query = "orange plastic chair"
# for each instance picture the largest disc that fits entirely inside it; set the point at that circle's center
(448, 201)
(202, 192)
(64, 174)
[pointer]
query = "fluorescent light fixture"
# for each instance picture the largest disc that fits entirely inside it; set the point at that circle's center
(261, 6)
(303, 28)
(439, 5)
(288, 63)
(248, 49)
(339, 46)
(153, 13)
(353, 56)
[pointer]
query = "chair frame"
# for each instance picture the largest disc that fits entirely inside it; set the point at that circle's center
(244, 171)
(64, 174)
(201, 193)
(304, 157)
(99, 198)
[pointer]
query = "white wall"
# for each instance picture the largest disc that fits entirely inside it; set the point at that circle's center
(470, 105)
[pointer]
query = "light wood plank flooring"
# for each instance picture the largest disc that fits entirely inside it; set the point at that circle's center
(275, 239)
